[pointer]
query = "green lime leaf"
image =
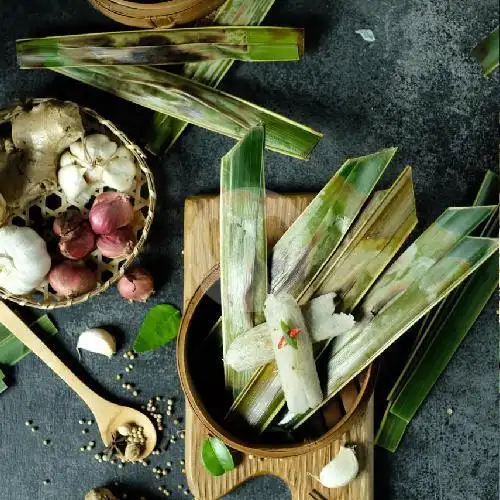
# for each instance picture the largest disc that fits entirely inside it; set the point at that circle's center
(284, 326)
(216, 457)
(160, 326)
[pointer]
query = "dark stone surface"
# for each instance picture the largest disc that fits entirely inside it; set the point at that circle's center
(416, 87)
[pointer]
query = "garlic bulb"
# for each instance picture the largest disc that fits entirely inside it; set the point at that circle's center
(341, 470)
(95, 161)
(24, 260)
(97, 340)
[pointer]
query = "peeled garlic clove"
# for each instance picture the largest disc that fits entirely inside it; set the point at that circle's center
(97, 340)
(341, 470)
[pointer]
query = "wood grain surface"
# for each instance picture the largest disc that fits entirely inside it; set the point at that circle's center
(201, 253)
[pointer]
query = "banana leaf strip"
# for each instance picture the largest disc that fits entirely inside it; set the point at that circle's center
(199, 104)
(163, 46)
(486, 52)
(262, 399)
(243, 245)
(166, 129)
(13, 350)
(315, 235)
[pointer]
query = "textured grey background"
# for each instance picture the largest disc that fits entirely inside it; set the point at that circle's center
(416, 87)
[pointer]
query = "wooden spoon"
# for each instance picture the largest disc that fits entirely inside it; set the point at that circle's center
(109, 416)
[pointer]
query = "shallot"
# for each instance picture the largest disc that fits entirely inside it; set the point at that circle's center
(67, 222)
(70, 279)
(136, 285)
(79, 243)
(110, 211)
(117, 244)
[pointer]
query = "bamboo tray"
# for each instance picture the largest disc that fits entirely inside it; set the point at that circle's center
(201, 253)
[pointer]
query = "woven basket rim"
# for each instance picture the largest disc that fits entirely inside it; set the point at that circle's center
(140, 158)
(156, 14)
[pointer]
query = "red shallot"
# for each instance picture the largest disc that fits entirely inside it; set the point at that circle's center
(117, 244)
(110, 211)
(71, 279)
(136, 285)
(78, 243)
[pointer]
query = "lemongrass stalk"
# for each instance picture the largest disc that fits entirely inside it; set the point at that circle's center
(165, 129)
(163, 46)
(293, 352)
(487, 53)
(201, 105)
(262, 399)
(315, 235)
(243, 245)
(254, 348)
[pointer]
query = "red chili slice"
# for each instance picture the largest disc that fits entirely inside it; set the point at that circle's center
(282, 343)
(293, 332)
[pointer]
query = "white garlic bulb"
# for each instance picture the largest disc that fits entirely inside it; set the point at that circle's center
(95, 161)
(24, 260)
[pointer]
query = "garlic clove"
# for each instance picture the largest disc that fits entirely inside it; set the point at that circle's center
(119, 173)
(11, 280)
(124, 153)
(97, 340)
(67, 159)
(77, 150)
(72, 181)
(99, 147)
(341, 470)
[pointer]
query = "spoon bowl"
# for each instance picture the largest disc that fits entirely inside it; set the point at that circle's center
(109, 416)
(112, 416)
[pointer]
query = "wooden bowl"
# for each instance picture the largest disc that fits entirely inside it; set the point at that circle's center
(202, 311)
(40, 212)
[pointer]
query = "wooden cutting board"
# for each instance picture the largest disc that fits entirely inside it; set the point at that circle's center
(201, 253)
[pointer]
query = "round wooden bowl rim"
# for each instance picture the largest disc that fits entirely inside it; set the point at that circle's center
(263, 450)
(140, 158)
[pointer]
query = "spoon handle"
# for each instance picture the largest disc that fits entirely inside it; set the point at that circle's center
(18, 328)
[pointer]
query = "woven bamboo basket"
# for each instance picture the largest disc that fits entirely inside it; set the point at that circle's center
(164, 14)
(40, 211)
